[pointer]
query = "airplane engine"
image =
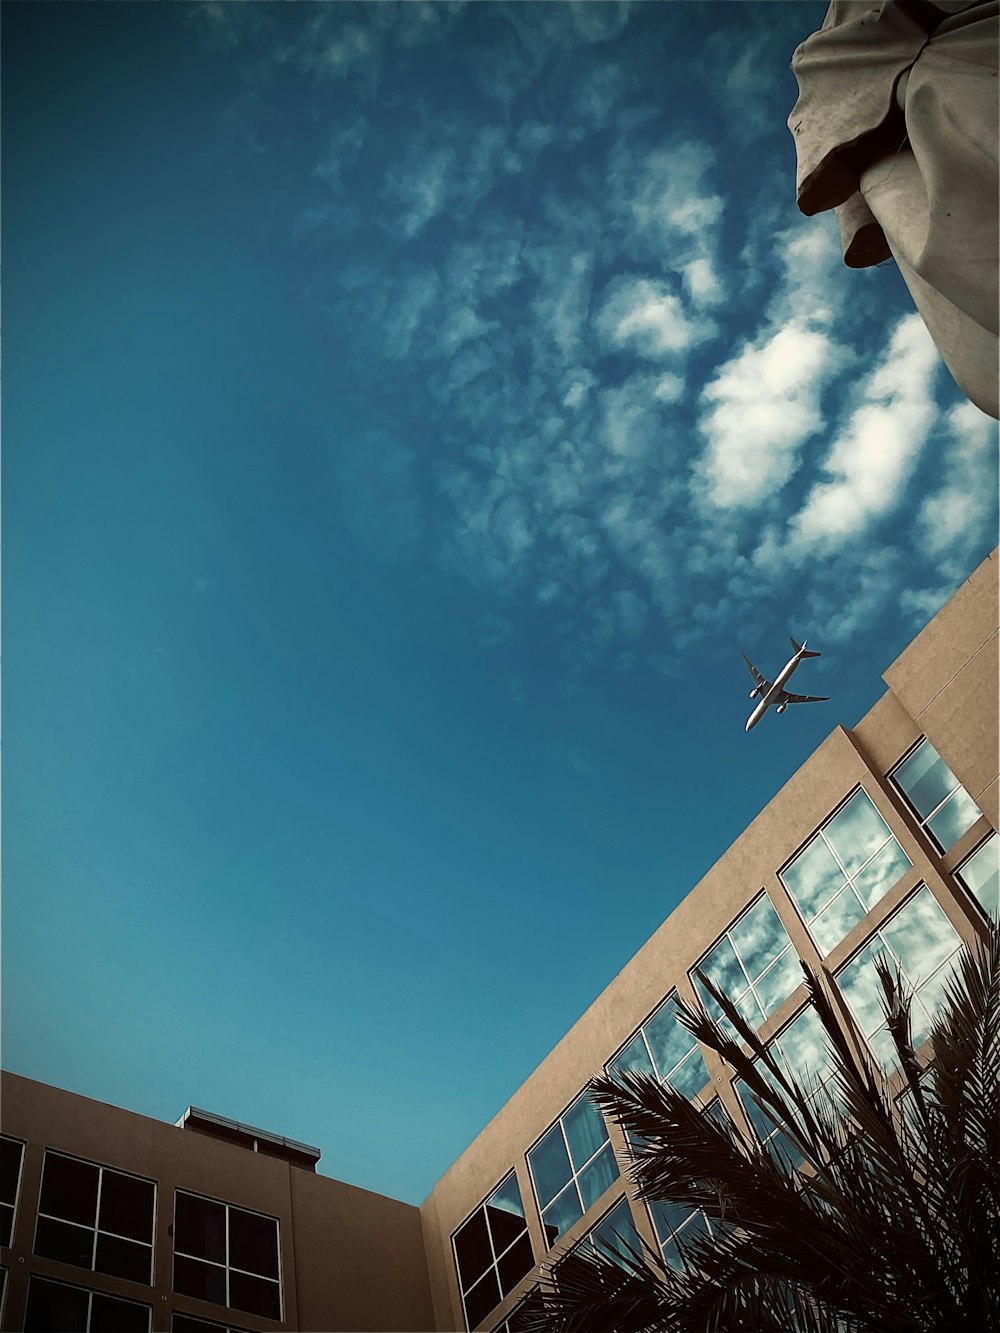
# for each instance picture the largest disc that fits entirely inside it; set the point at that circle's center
(781, 708)
(753, 694)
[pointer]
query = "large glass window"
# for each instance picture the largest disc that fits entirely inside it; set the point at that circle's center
(492, 1251)
(665, 1048)
(918, 941)
(802, 1052)
(532, 1306)
(187, 1323)
(753, 964)
(571, 1166)
(843, 870)
(943, 806)
(675, 1223)
(57, 1307)
(96, 1218)
(227, 1255)
(615, 1236)
(980, 873)
(11, 1156)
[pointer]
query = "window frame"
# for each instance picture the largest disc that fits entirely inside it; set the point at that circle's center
(640, 1031)
(226, 1267)
(725, 934)
(588, 1241)
(12, 1138)
(923, 822)
(91, 1292)
(575, 1173)
(866, 1038)
(96, 1228)
(848, 878)
(494, 1265)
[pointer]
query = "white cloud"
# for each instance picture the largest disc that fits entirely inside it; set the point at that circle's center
(762, 406)
(870, 461)
(647, 318)
(421, 188)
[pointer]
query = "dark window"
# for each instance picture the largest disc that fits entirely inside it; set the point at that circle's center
(492, 1251)
(11, 1155)
(187, 1323)
(57, 1307)
(118, 1241)
(226, 1255)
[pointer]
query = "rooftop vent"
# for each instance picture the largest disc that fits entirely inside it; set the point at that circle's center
(246, 1136)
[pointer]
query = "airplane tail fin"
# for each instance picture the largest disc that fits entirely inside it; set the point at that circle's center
(801, 648)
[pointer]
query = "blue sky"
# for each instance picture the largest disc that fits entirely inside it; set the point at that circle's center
(409, 413)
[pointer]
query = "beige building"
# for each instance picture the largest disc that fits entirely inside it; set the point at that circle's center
(884, 841)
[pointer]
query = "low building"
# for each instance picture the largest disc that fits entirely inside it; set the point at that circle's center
(884, 841)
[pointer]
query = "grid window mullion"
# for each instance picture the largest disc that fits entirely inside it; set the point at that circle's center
(97, 1220)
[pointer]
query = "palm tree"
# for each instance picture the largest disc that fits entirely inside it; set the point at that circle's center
(877, 1207)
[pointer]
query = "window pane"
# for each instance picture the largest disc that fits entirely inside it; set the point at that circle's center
(813, 877)
(921, 936)
(836, 920)
(253, 1243)
(560, 1215)
(109, 1314)
(779, 981)
(691, 1076)
(860, 987)
(759, 936)
(722, 967)
(127, 1206)
(200, 1228)
(668, 1218)
(194, 1278)
(69, 1190)
(55, 1308)
(6, 1223)
(668, 1040)
(856, 832)
(64, 1241)
(10, 1169)
(550, 1166)
(254, 1294)
(484, 1297)
(981, 874)
(877, 878)
(186, 1323)
(806, 1048)
(123, 1258)
(634, 1056)
(505, 1213)
(472, 1249)
(925, 779)
(585, 1130)
(616, 1234)
(596, 1178)
(957, 815)
(513, 1265)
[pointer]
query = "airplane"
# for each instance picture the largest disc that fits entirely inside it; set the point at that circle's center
(776, 693)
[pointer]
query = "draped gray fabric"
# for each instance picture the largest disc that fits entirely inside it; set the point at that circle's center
(896, 127)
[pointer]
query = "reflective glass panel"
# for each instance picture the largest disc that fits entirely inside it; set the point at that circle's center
(759, 936)
(668, 1040)
(958, 814)
(813, 877)
(10, 1169)
(514, 1263)
(65, 1241)
(691, 1075)
(54, 1307)
(200, 1227)
(123, 1258)
(193, 1277)
(255, 1294)
(561, 1214)
(595, 1178)
(920, 936)
(585, 1131)
(69, 1189)
(127, 1206)
(550, 1165)
(253, 1243)
(925, 779)
(634, 1056)
(723, 968)
(778, 982)
(856, 832)
(110, 1314)
(505, 1213)
(981, 874)
(878, 877)
(836, 919)
(483, 1298)
(472, 1249)
(616, 1234)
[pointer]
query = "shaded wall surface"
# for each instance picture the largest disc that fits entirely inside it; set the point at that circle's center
(355, 1260)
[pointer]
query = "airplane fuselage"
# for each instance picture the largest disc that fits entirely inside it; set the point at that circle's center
(774, 693)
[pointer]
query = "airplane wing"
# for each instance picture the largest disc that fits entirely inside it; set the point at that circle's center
(760, 680)
(804, 698)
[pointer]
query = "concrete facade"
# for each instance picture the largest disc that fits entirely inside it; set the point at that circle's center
(339, 1244)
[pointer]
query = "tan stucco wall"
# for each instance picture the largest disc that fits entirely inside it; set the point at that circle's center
(337, 1242)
